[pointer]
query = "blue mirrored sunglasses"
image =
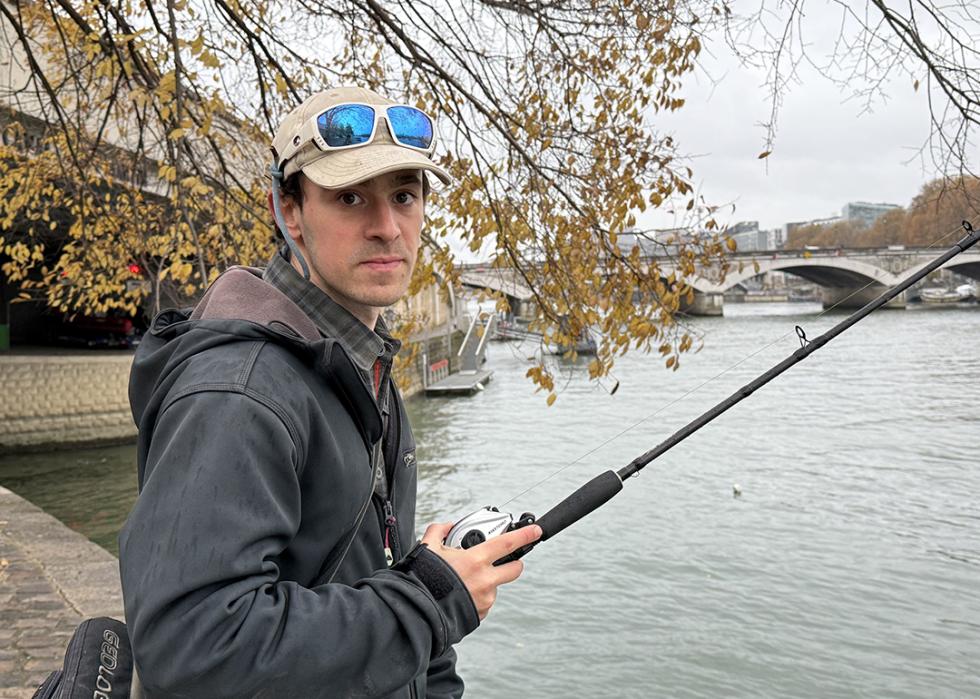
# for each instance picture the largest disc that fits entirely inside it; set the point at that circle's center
(355, 124)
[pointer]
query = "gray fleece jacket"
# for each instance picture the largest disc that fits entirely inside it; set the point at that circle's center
(255, 450)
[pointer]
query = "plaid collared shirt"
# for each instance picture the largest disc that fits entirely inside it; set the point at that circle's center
(365, 346)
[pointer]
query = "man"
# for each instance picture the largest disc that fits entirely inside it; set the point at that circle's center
(270, 551)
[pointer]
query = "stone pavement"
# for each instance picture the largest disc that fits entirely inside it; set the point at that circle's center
(50, 579)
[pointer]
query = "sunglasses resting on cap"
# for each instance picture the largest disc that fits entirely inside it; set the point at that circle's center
(356, 124)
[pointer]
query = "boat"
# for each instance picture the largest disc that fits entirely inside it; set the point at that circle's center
(967, 291)
(509, 329)
(941, 296)
(506, 330)
(585, 345)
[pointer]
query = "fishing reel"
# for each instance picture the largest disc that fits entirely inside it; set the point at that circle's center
(477, 527)
(485, 523)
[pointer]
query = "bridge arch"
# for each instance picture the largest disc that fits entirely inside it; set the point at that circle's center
(967, 266)
(823, 271)
(847, 282)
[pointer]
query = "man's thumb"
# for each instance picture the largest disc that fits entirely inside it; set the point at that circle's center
(435, 533)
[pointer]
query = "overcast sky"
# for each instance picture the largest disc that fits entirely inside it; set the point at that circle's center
(828, 151)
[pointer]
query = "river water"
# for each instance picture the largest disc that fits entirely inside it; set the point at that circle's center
(849, 566)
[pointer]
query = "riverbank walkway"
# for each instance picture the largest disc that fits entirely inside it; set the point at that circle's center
(51, 578)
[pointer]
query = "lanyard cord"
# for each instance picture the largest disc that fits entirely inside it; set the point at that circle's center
(807, 347)
(277, 179)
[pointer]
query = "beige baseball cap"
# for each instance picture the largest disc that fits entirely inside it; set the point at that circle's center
(342, 168)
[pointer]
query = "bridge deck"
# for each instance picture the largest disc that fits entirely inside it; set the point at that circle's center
(461, 383)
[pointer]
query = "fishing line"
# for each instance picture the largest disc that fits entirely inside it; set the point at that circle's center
(797, 330)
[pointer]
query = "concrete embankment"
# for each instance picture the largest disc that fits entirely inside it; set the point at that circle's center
(51, 578)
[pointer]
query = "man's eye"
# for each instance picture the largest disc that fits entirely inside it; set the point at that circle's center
(405, 197)
(350, 198)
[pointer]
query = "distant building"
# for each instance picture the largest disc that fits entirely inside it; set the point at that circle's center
(654, 243)
(829, 221)
(861, 212)
(777, 238)
(747, 235)
(750, 238)
(865, 212)
(743, 227)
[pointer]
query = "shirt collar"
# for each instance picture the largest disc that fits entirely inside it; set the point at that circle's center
(364, 345)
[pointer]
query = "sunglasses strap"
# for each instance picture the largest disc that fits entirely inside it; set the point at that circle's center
(277, 179)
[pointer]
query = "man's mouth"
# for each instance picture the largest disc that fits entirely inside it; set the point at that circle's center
(383, 263)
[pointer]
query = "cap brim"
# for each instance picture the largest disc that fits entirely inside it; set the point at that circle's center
(347, 167)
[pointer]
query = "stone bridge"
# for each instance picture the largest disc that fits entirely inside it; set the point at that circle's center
(849, 278)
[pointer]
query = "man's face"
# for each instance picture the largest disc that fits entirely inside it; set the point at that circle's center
(360, 242)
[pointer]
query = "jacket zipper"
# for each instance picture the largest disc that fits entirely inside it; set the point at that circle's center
(388, 519)
(390, 536)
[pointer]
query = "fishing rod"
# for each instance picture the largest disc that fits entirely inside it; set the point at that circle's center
(488, 522)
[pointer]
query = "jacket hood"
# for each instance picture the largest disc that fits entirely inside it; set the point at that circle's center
(242, 307)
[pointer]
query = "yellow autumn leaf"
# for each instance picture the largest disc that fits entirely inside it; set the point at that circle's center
(167, 82)
(209, 59)
(197, 44)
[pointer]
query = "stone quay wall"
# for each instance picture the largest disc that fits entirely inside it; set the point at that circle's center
(63, 399)
(59, 399)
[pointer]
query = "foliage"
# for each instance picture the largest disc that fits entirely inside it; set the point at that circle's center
(836, 234)
(129, 165)
(932, 218)
(544, 106)
(107, 235)
(140, 135)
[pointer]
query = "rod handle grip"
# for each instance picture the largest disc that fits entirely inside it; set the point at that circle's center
(589, 497)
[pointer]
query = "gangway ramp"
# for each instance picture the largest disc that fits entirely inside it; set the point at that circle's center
(471, 376)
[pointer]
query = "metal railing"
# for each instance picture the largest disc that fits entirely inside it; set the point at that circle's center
(472, 353)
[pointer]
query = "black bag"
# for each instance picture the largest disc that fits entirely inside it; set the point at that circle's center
(98, 664)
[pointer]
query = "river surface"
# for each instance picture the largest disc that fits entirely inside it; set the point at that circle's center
(849, 566)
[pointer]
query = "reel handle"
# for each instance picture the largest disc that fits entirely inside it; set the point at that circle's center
(587, 498)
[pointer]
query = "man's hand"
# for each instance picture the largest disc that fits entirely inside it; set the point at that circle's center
(475, 565)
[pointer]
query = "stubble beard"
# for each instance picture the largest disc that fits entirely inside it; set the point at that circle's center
(355, 288)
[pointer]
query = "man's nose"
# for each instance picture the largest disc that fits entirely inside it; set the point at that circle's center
(384, 223)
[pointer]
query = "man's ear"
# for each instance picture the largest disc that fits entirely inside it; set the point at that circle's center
(288, 207)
